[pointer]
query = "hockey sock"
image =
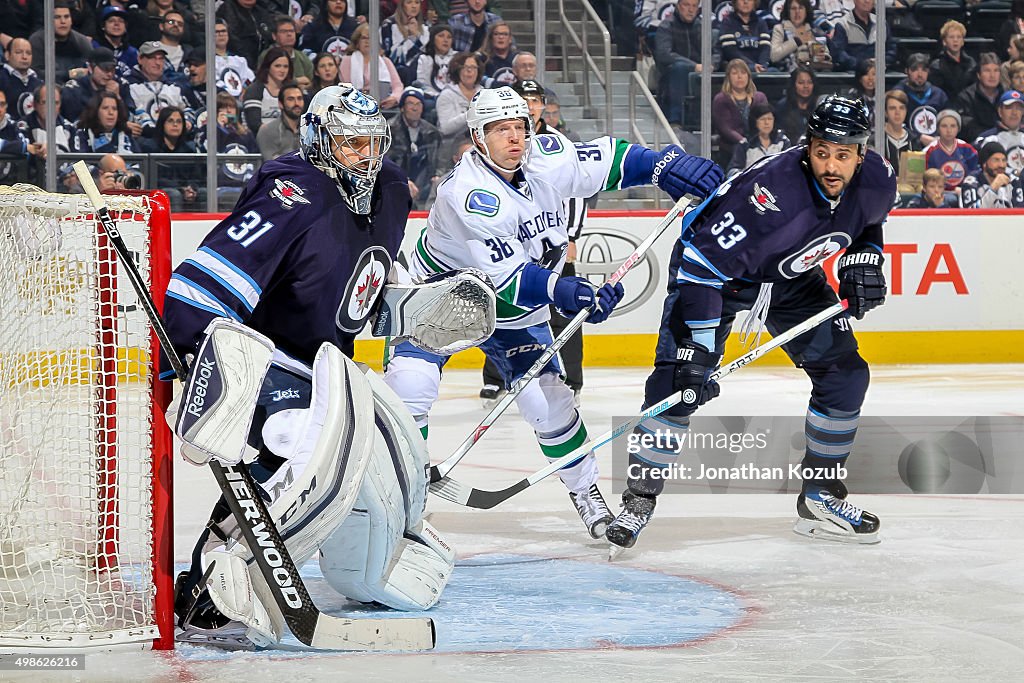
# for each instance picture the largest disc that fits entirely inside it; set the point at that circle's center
(830, 434)
(654, 445)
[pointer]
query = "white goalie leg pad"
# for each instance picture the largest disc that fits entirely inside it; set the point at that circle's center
(445, 314)
(384, 551)
(232, 591)
(220, 394)
(314, 490)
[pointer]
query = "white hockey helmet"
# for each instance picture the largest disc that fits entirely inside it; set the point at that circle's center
(498, 104)
(337, 122)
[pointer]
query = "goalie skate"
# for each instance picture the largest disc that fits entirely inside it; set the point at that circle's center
(199, 622)
(593, 510)
(623, 531)
(826, 514)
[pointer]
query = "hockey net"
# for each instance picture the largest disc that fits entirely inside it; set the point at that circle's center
(85, 516)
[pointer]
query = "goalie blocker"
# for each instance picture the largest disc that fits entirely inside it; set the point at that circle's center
(343, 440)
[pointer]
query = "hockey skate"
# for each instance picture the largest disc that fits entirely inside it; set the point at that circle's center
(625, 529)
(593, 510)
(825, 514)
(491, 394)
(198, 622)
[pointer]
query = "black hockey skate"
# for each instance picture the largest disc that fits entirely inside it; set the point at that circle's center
(199, 622)
(625, 529)
(825, 513)
(491, 394)
(593, 510)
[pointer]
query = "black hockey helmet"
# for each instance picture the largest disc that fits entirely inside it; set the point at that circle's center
(841, 120)
(530, 88)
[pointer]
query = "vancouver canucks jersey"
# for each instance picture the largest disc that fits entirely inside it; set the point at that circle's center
(772, 223)
(480, 220)
(291, 261)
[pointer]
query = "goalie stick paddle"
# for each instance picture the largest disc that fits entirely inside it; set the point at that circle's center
(439, 471)
(466, 495)
(307, 623)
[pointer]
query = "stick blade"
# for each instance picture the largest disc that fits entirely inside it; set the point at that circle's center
(339, 633)
(452, 490)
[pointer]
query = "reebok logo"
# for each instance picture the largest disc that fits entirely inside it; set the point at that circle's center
(199, 387)
(662, 163)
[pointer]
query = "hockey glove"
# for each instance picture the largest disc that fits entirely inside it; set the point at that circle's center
(679, 173)
(861, 281)
(572, 294)
(688, 374)
(608, 297)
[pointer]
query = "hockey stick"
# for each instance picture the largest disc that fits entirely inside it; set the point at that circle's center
(311, 626)
(441, 470)
(463, 494)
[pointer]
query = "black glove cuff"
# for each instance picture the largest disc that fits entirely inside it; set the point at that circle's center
(868, 257)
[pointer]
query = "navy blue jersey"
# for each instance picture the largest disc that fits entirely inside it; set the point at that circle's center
(291, 261)
(771, 223)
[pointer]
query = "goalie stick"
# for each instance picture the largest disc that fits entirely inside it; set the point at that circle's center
(466, 495)
(439, 471)
(307, 623)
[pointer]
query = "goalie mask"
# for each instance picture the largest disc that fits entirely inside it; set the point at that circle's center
(344, 135)
(499, 104)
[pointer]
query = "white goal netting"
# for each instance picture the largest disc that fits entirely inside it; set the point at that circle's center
(76, 426)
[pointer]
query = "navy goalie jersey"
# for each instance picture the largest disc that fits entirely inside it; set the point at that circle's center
(772, 223)
(291, 261)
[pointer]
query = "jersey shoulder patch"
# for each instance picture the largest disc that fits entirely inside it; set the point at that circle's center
(483, 203)
(549, 144)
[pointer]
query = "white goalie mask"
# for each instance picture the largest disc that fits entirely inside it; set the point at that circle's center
(499, 104)
(344, 135)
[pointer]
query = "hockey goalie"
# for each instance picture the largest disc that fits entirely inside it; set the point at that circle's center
(263, 311)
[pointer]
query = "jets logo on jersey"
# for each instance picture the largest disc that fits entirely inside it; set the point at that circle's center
(817, 250)
(288, 193)
(763, 200)
(483, 203)
(363, 287)
(231, 82)
(954, 172)
(549, 144)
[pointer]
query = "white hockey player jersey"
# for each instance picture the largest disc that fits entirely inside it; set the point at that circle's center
(480, 220)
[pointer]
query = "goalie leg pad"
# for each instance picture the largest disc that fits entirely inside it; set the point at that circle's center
(220, 394)
(384, 551)
(315, 489)
(232, 591)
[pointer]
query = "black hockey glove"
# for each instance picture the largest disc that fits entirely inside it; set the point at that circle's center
(861, 281)
(689, 373)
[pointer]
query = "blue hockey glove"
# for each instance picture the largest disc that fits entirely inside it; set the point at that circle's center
(861, 281)
(679, 173)
(688, 373)
(608, 297)
(573, 294)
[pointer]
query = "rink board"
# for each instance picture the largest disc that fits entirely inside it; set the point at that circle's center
(953, 279)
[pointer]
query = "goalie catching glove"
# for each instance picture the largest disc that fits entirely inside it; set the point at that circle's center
(445, 314)
(861, 281)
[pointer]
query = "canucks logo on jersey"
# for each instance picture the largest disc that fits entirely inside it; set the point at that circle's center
(483, 203)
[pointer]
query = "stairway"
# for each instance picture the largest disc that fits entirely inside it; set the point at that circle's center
(588, 122)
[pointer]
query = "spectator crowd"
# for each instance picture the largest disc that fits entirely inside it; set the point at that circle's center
(955, 111)
(132, 75)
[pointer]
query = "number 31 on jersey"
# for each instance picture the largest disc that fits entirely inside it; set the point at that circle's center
(243, 231)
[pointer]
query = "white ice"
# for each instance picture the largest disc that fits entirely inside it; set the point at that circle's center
(941, 598)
